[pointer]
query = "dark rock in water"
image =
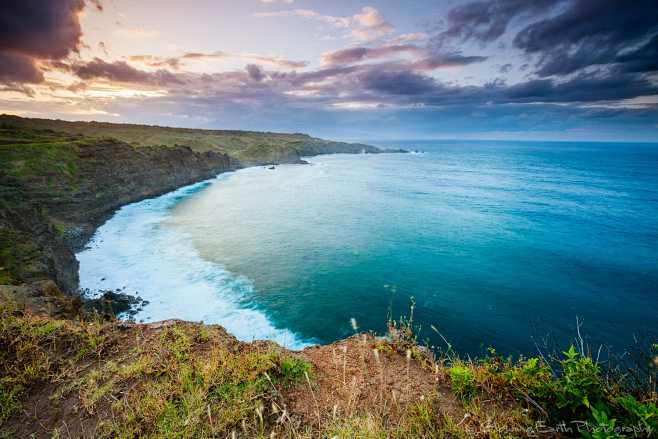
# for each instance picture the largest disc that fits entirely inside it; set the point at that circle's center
(272, 167)
(115, 304)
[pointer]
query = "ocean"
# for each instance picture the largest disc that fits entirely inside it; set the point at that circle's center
(500, 244)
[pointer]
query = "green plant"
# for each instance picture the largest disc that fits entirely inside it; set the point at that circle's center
(580, 385)
(293, 370)
(463, 382)
(643, 414)
(600, 425)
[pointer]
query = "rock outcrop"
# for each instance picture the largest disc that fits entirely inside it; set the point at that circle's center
(47, 218)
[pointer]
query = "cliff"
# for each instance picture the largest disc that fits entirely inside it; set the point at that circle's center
(60, 180)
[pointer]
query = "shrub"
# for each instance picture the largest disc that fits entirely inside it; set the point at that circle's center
(293, 370)
(463, 382)
(580, 386)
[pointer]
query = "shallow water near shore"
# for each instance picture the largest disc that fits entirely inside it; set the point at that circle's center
(497, 241)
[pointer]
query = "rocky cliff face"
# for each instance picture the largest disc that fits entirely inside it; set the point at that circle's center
(49, 217)
(112, 174)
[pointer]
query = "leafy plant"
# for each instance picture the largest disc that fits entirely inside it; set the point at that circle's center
(601, 426)
(642, 414)
(580, 386)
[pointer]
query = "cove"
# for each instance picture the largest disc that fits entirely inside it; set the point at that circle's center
(499, 243)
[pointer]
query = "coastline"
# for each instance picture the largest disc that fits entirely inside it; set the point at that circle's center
(45, 221)
(158, 274)
(70, 371)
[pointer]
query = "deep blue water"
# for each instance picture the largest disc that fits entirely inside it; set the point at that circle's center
(498, 242)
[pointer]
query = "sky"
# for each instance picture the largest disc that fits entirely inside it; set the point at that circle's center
(351, 70)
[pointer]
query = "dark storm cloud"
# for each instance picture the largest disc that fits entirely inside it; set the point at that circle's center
(18, 68)
(397, 85)
(486, 21)
(404, 83)
(121, 71)
(643, 59)
(32, 30)
(565, 36)
(581, 89)
(592, 32)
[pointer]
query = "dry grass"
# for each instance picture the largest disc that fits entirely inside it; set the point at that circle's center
(88, 378)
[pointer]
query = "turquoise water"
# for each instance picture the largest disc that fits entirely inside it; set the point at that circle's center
(498, 242)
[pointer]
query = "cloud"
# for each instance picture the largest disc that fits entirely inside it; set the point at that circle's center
(277, 1)
(404, 83)
(580, 89)
(486, 21)
(34, 30)
(255, 72)
(448, 59)
(602, 70)
(421, 59)
(642, 59)
(582, 34)
(356, 54)
(368, 25)
(120, 71)
(591, 33)
(408, 38)
(18, 68)
(156, 61)
(176, 61)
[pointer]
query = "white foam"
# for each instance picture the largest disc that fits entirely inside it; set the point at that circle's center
(136, 252)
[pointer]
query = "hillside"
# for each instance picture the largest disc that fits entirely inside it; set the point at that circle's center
(246, 148)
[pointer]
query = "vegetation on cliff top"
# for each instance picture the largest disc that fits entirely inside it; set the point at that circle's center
(84, 377)
(246, 147)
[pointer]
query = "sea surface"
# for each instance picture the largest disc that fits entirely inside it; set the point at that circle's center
(500, 244)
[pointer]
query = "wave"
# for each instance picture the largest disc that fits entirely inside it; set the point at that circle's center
(136, 252)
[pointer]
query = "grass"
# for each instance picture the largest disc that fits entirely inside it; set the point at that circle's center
(180, 380)
(90, 378)
(245, 146)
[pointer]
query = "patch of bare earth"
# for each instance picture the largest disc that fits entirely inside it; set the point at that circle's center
(361, 375)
